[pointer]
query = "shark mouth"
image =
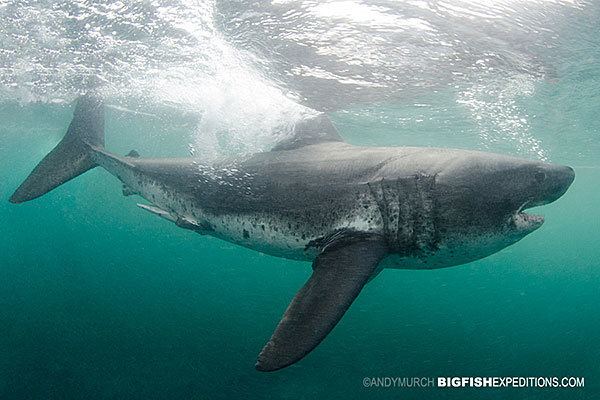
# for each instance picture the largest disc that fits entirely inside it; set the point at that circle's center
(526, 221)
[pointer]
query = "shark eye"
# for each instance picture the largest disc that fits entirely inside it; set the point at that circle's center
(540, 176)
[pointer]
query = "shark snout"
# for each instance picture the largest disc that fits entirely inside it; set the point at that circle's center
(555, 180)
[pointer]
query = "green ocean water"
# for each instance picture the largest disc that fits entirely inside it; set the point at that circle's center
(102, 300)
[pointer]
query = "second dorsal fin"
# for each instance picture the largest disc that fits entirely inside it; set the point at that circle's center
(133, 154)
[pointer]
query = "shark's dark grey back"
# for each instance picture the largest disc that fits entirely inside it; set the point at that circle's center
(320, 177)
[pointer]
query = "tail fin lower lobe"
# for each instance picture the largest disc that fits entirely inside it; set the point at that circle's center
(72, 156)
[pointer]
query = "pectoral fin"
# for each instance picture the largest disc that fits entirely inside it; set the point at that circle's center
(339, 274)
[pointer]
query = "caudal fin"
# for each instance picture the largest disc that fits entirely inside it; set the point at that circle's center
(72, 156)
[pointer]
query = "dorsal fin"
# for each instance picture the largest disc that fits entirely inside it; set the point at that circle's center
(312, 130)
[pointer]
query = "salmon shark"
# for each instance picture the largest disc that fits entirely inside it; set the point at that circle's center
(351, 211)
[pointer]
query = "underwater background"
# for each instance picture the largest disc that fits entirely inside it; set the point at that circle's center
(101, 300)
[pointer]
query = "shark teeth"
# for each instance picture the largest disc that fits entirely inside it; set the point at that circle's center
(522, 220)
